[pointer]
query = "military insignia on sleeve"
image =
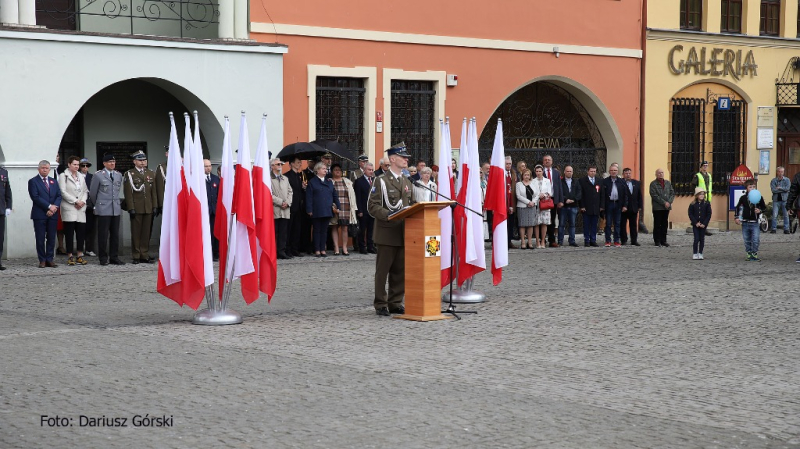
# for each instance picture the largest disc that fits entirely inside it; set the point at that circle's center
(433, 246)
(373, 189)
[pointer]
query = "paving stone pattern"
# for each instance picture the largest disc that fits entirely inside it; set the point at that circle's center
(577, 348)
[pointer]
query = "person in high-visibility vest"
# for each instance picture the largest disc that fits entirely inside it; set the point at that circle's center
(703, 180)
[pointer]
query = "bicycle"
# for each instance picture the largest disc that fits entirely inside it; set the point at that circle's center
(763, 222)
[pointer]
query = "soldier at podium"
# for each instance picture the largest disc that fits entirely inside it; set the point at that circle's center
(390, 193)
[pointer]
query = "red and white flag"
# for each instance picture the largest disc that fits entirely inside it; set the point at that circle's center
(496, 202)
(265, 219)
(198, 190)
(223, 219)
(472, 258)
(444, 187)
(246, 259)
(171, 252)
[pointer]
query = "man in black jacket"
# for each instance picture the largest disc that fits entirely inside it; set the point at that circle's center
(296, 240)
(571, 197)
(363, 187)
(634, 204)
(590, 206)
(613, 200)
(212, 193)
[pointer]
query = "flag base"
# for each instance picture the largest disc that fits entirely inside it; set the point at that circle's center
(210, 317)
(461, 296)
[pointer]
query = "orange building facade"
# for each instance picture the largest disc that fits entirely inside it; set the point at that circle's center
(565, 77)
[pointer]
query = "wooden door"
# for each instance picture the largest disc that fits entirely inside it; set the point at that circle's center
(789, 153)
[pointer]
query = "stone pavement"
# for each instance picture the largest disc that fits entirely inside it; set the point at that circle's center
(577, 348)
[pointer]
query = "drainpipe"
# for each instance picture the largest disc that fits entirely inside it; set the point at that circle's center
(643, 9)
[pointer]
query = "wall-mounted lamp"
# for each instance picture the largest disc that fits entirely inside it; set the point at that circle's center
(555, 50)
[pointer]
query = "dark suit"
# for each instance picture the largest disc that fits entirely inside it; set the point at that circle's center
(44, 227)
(297, 240)
(320, 196)
(635, 203)
(90, 226)
(212, 193)
(366, 223)
(5, 203)
(613, 207)
(568, 213)
(590, 201)
(558, 197)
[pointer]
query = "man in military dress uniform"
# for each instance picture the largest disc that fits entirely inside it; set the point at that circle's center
(140, 202)
(104, 194)
(359, 172)
(390, 193)
(161, 182)
(5, 208)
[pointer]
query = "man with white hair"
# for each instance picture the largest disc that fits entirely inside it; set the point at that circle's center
(384, 165)
(281, 202)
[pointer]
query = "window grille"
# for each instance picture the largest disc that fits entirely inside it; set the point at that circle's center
(340, 113)
(414, 117)
(686, 141)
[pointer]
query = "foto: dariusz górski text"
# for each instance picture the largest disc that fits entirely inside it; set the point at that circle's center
(106, 421)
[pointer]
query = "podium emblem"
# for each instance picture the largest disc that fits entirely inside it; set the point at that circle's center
(433, 246)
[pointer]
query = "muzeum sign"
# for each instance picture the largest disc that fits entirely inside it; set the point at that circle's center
(713, 61)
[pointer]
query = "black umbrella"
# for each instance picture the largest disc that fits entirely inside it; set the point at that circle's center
(337, 148)
(305, 150)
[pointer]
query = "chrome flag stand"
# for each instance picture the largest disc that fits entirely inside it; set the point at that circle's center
(466, 295)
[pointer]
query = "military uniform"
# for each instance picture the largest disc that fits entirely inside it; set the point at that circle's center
(140, 202)
(105, 195)
(389, 236)
(160, 184)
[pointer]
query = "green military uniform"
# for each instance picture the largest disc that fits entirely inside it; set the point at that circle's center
(389, 238)
(140, 201)
(161, 183)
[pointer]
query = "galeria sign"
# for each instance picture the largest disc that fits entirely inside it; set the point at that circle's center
(714, 62)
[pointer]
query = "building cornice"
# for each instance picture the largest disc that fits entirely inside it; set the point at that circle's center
(741, 40)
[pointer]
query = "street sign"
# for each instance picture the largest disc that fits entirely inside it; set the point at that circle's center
(724, 103)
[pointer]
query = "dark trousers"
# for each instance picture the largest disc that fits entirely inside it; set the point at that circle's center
(294, 233)
(489, 218)
(74, 229)
(365, 226)
(2, 232)
(90, 230)
(304, 242)
(630, 218)
(590, 228)
(613, 218)
(107, 231)
(45, 233)
(566, 224)
(320, 232)
(552, 228)
(390, 264)
(281, 230)
(140, 236)
(660, 221)
(699, 240)
(511, 224)
(212, 218)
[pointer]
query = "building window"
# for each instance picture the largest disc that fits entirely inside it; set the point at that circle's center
(57, 14)
(687, 140)
(728, 147)
(770, 17)
(691, 14)
(731, 16)
(414, 116)
(340, 112)
(798, 19)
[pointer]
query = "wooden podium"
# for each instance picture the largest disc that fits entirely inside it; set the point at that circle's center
(423, 299)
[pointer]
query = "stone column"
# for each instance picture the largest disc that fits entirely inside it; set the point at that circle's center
(241, 19)
(9, 11)
(27, 12)
(226, 20)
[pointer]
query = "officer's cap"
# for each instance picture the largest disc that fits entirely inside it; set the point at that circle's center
(704, 163)
(139, 156)
(398, 150)
(363, 157)
(108, 157)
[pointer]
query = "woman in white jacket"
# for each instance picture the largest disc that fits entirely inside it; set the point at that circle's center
(421, 194)
(74, 193)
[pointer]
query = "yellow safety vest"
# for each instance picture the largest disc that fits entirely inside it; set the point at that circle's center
(701, 182)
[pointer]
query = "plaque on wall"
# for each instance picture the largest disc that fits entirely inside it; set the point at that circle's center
(122, 153)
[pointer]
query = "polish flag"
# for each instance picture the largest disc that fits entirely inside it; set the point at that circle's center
(265, 219)
(198, 190)
(444, 186)
(222, 225)
(472, 258)
(172, 246)
(193, 272)
(246, 260)
(496, 202)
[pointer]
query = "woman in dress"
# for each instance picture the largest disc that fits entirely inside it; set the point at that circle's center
(321, 204)
(347, 210)
(74, 194)
(421, 194)
(526, 210)
(542, 189)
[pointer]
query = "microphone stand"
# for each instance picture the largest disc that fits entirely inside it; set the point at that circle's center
(451, 308)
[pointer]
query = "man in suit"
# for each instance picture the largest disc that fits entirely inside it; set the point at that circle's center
(511, 200)
(571, 197)
(5, 209)
(296, 240)
(383, 165)
(362, 187)
(359, 172)
(391, 192)
(282, 195)
(140, 202)
(46, 197)
(590, 205)
(634, 204)
(212, 192)
(104, 194)
(613, 200)
(90, 225)
(558, 197)
(416, 176)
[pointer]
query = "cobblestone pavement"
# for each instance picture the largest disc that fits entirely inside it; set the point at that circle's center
(577, 348)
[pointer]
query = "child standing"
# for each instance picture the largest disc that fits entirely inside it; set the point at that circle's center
(699, 215)
(747, 216)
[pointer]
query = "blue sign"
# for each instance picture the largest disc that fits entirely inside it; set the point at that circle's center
(734, 193)
(724, 103)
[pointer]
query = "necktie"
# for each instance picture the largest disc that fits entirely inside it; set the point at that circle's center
(549, 175)
(208, 178)
(46, 184)
(591, 180)
(370, 181)
(111, 176)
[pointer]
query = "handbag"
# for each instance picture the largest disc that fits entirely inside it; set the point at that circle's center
(546, 204)
(352, 230)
